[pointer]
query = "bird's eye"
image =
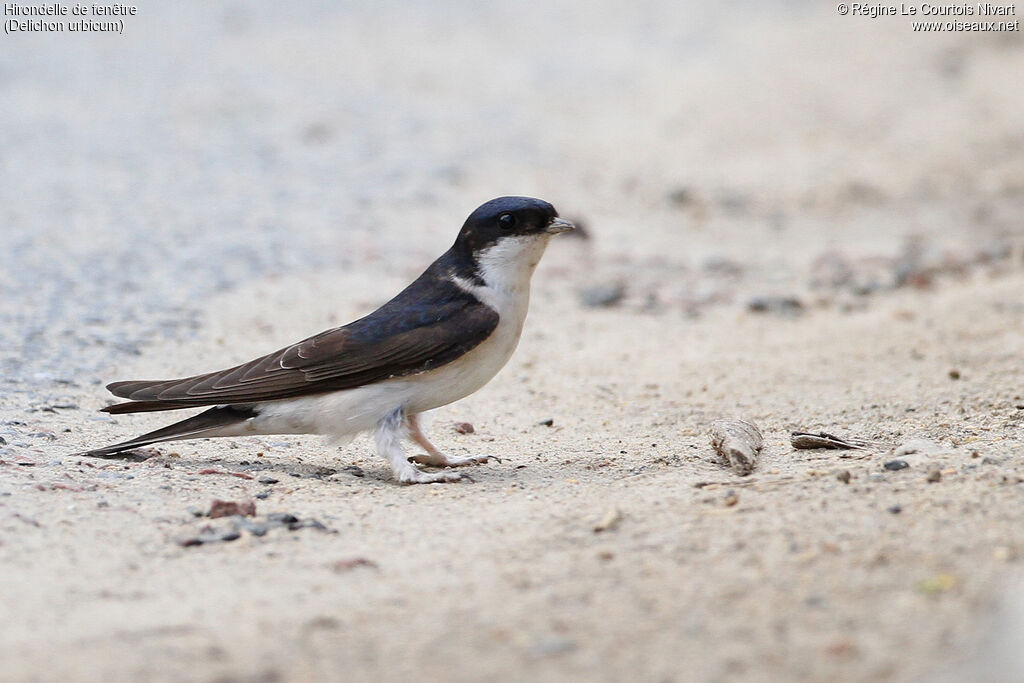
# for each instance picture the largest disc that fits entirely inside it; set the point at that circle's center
(507, 221)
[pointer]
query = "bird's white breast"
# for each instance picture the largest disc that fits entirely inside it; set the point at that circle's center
(506, 269)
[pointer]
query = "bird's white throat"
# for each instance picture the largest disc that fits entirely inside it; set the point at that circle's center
(507, 266)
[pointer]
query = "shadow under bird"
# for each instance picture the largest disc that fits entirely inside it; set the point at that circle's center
(439, 340)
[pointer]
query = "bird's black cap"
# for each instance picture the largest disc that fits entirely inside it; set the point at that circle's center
(508, 217)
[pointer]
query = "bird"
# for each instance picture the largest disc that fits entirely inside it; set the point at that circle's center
(439, 340)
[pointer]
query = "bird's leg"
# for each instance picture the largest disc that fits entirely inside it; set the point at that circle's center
(390, 431)
(433, 456)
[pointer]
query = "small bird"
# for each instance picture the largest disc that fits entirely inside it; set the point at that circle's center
(439, 340)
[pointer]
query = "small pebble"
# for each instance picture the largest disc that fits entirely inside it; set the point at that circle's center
(268, 480)
(731, 498)
(229, 508)
(464, 428)
(262, 495)
(351, 563)
(894, 465)
(681, 196)
(782, 305)
(282, 518)
(254, 528)
(292, 522)
(1004, 553)
(894, 509)
(844, 476)
(602, 295)
(551, 646)
(310, 524)
(546, 423)
(210, 536)
(954, 374)
(609, 520)
(934, 475)
(940, 583)
(918, 446)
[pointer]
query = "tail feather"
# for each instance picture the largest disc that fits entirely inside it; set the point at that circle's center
(196, 426)
(144, 407)
(127, 388)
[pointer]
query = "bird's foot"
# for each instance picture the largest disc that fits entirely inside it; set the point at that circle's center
(443, 460)
(390, 431)
(414, 475)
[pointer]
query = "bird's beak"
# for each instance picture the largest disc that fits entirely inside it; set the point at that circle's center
(558, 225)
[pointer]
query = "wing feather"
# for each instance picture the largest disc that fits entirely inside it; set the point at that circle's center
(420, 329)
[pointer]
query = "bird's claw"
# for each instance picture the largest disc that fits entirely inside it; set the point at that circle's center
(452, 461)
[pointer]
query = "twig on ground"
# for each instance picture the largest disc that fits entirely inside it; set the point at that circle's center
(738, 443)
(810, 440)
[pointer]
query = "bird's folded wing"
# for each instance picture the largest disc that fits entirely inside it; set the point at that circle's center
(396, 340)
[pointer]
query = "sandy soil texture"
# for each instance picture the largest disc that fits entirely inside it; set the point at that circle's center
(808, 221)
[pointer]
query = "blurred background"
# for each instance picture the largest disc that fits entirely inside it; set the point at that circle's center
(717, 154)
(226, 177)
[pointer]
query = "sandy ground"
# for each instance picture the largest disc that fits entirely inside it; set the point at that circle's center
(225, 179)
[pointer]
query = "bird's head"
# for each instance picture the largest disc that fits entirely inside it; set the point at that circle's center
(510, 220)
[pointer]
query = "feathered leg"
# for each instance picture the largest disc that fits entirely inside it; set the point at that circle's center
(390, 431)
